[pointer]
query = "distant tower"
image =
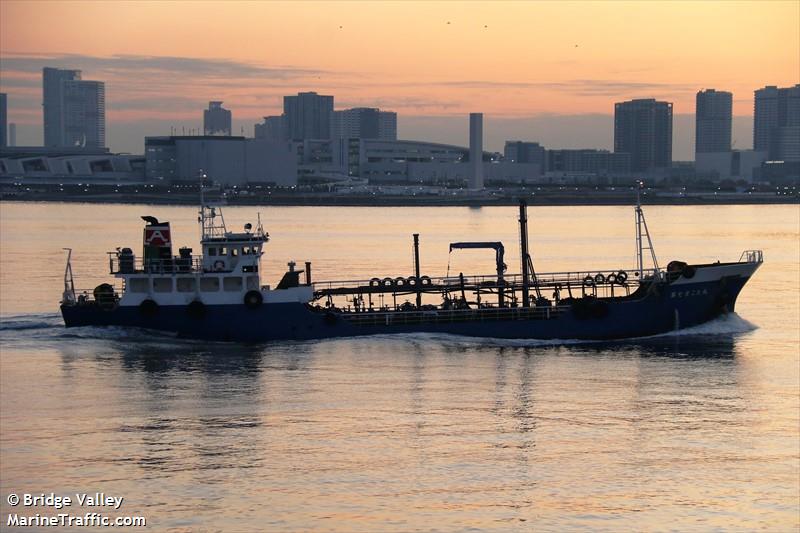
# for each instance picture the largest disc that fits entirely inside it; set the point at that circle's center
(53, 80)
(713, 115)
(776, 124)
(216, 120)
(83, 113)
(307, 116)
(12, 134)
(476, 150)
(643, 128)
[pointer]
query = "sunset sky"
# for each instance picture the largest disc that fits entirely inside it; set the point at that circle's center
(521, 63)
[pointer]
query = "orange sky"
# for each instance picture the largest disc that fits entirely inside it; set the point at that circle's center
(505, 59)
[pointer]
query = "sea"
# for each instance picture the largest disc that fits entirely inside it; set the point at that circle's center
(696, 430)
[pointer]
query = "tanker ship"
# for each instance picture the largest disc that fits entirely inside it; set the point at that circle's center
(219, 294)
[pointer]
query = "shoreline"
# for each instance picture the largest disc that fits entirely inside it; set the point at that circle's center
(404, 201)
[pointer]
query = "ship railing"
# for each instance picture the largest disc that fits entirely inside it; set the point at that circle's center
(138, 265)
(383, 317)
(86, 296)
(752, 256)
(574, 279)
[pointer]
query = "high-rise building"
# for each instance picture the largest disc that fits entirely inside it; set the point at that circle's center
(387, 125)
(643, 128)
(84, 114)
(308, 116)
(3, 120)
(272, 129)
(776, 126)
(713, 117)
(12, 134)
(216, 120)
(364, 123)
(525, 152)
(53, 103)
(476, 150)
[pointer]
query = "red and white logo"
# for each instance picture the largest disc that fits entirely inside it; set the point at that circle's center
(157, 236)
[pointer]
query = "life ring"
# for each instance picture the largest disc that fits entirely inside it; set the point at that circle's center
(425, 280)
(599, 278)
(374, 282)
(219, 265)
(412, 281)
(622, 277)
(588, 281)
(611, 278)
(196, 309)
(387, 282)
(148, 308)
(253, 299)
(400, 281)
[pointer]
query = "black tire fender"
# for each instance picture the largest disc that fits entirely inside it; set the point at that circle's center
(253, 299)
(148, 308)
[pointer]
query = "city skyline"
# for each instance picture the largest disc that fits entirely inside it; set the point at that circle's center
(442, 65)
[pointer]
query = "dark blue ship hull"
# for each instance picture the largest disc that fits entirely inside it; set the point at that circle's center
(655, 308)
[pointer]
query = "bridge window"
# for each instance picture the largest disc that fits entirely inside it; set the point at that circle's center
(138, 284)
(232, 284)
(209, 284)
(252, 283)
(234, 252)
(186, 284)
(162, 284)
(212, 250)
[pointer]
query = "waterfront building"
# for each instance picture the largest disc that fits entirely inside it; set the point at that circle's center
(216, 119)
(230, 160)
(3, 120)
(733, 164)
(74, 109)
(776, 125)
(364, 122)
(643, 129)
(84, 112)
(71, 164)
(307, 116)
(525, 152)
(713, 119)
(588, 161)
(272, 129)
(53, 103)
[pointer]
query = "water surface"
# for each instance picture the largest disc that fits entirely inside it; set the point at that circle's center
(696, 430)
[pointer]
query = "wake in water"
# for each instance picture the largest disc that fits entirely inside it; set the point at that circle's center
(49, 327)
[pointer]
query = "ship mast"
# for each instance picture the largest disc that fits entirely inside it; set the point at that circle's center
(641, 224)
(210, 228)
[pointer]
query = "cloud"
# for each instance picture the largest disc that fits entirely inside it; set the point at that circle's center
(143, 64)
(577, 86)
